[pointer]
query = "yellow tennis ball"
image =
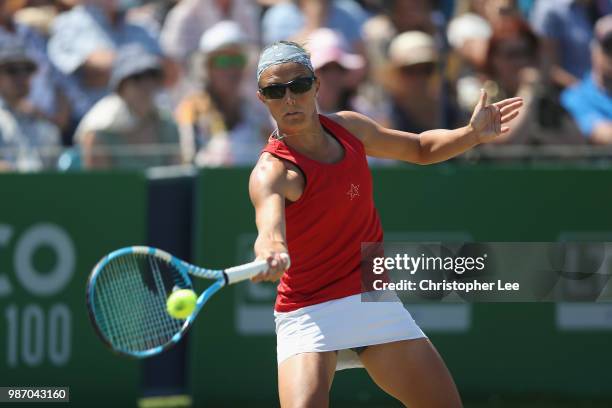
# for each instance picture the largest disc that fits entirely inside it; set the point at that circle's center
(180, 303)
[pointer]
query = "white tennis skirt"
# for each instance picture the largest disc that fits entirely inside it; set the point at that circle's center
(342, 324)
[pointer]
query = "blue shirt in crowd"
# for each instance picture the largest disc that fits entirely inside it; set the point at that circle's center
(79, 32)
(47, 78)
(27, 142)
(588, 104)
(568, 23)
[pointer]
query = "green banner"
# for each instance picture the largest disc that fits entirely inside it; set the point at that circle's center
(555, 349)
(53, 229)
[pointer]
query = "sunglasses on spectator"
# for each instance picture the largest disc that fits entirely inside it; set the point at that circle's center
(18, 69)
(228, 61)
(297, 86)
(153, 74)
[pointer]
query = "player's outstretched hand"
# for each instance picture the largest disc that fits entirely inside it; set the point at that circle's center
(488, 121)
(279, 262)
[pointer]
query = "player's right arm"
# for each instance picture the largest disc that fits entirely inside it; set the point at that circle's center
(270, 184)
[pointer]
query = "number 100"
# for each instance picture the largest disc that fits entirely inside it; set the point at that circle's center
(27, 331)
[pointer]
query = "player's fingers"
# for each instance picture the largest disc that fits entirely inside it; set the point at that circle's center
(274, 267)
(273, 261)
(505, 129)
(508, 101)
(507, 118)
(511, 107)
(280, 261)
(277, 264)
(275, 276)
(497, 120)
(483, 98)
(286, 261)
(263, 276)
(271, 275)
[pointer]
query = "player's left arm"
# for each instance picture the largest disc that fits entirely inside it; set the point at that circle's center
(487, 122)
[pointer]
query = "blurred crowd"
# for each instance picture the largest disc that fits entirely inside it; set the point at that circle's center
(101, 84)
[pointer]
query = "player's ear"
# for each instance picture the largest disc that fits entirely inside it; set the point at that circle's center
(261, 98)
(317, 85)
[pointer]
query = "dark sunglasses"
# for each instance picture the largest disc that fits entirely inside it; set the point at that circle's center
(18, 69)
(228, 61)
(153, 74)
(297, 86)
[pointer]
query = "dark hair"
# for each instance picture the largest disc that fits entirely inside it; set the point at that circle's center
(510, 28)
(606, 44)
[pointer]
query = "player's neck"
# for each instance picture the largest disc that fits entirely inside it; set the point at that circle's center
(316, 144)
(309, 139)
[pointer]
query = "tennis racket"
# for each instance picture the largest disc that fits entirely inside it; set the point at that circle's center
(127, 293)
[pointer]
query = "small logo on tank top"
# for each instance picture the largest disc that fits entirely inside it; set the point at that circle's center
(354, 191)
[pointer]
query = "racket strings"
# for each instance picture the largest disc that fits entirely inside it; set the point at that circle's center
(125, 316)
(130, 302)
(162, 327)
(139, 330)
(169, 325)
(141, 320)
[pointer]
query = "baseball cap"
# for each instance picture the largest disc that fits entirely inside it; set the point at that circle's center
(326, 45)
(222, 35)
(469, 26)
(13, 50)
(413, 47)
(131, 60)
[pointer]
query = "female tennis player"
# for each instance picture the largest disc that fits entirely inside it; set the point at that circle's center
(312, 193)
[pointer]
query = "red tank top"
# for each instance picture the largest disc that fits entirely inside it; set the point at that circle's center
(327, 224)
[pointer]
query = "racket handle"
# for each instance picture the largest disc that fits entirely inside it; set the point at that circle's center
(247, 271)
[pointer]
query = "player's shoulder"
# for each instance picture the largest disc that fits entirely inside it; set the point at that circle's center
(271, 173)
(358, 124)
(270, 165)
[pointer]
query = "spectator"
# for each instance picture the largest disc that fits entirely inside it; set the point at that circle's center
(65, 5)
(513, 70)
(27, 141)
(567, 30)
(37, 15)
(495, 10)
(468, 35)
(469, 31)
(187, 22)
(590, 101)
(333, 65)
(219, 126)
(83, 44)
(126, 129)
(152, 14)
(400, 16)
(418, 102)
(41, 3)
(297, 19)
(49, 88)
